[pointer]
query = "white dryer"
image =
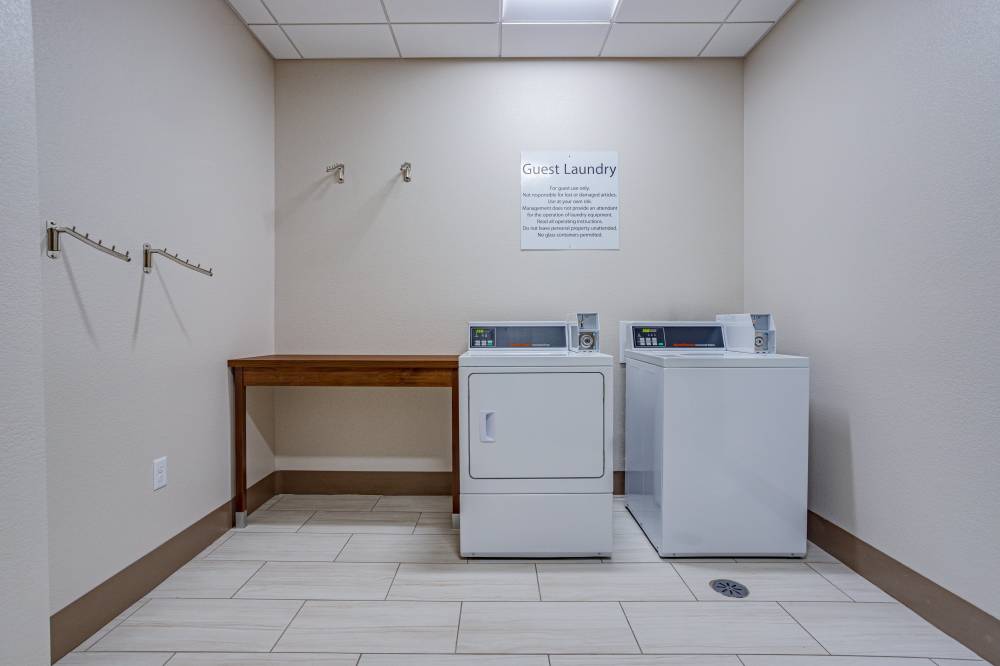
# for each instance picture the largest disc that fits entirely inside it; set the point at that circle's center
(535, 431)
(716, 443)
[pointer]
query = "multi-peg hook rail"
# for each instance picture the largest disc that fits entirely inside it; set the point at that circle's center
(404, 169)
(147, 260)
(52, 247)
(337, 170)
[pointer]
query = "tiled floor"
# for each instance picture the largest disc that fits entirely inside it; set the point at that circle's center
(378, 581)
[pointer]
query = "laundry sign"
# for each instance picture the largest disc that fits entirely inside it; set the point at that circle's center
(569, 200)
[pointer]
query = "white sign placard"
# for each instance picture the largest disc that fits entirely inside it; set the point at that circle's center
(569, 200)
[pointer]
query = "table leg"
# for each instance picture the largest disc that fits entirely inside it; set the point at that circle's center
(454, 444)
(240, 444)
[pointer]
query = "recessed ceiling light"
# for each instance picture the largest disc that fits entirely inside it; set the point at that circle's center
(528, 11)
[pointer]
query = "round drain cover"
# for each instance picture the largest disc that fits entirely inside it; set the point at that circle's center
(730, 588)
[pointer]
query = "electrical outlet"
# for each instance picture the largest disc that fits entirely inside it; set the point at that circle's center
(159, 473)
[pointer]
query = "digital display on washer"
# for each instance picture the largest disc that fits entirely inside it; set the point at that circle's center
(517, 337)
(677, 337)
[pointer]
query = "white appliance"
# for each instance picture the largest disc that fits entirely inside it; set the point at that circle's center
(535, 431)
(716, 443)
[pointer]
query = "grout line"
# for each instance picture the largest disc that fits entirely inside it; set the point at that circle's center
(342, 548)
(392, 582)
(282, 635)
(780, 605)
(693, 595)
(305, 522)
(844, 592)
(741, 660)
(538, 582)
(629, 623)
(458, 627)
(391, 31)
(256, 571)
(228, 535)
(139, 604)
(171, 658)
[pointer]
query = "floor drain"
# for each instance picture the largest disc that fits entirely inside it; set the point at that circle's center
(730, 588)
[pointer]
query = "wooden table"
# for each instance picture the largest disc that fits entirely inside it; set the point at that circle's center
(310, 370)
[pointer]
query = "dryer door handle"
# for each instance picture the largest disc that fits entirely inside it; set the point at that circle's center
(487, 426)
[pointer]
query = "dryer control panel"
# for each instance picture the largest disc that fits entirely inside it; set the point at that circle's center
(680, 336)
(524, 336)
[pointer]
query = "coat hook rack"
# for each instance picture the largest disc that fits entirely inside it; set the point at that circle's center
(147, 260)
(404, 169)
(52, 246)
(337, 170)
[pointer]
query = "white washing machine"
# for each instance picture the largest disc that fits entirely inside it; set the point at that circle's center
(716, 443)
(535, 428)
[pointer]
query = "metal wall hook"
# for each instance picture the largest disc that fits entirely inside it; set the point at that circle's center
(337, 170)
(147, 260)
(52, 246)
(404, 169)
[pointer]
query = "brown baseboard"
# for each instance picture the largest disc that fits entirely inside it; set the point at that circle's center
(619, 482)
(81, 619)
(975, 628)
(303, 482)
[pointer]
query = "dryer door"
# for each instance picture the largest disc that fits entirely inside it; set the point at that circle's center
(536, 425)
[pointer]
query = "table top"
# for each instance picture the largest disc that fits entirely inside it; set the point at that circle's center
(352, 361)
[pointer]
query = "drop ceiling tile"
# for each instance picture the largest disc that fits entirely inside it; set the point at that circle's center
(443, 11)
(734, 39)
(760, 10)
(648, 11)
(449, 40)
(343, 41)
(534, 11)
(552, 40)
(275, 42)
(658, 40)
(251, 11)
(327, 11)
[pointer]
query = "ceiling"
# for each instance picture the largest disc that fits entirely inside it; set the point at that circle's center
(295, 29)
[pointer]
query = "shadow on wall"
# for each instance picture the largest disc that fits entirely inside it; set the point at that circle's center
(260, 413)
(831, 461)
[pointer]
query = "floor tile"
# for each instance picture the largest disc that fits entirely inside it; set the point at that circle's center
(441, 548)
(325, 503)
(429, 503)
(772, 660)
(646, 660)
(103, 631)
(434, 523)
(887, 630)
(632, 548)
(611, 582)
(718, 628)
(207, 579)
(215, 544)
(281, 547)
(201, 625)
(250, 659)
(460, 582)
(850, 583)
(544, 627)
(958, 662)
(813, 554)
(452, 660)
(361, 522)
(766, 582)
(319, 580)
(618, 504)
(276, 521)
(816, 554)
(115, 659)
(372, 626)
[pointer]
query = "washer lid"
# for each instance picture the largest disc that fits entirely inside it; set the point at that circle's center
(726, 359)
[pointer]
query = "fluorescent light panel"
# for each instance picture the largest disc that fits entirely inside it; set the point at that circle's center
(540, 11)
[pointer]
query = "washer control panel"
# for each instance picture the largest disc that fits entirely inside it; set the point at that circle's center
(518, 336)
(676, 336)
(647, 337)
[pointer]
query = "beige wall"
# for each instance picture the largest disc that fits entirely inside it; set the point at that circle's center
(376, 265)
(872, 197)
(156, 124)
(24, 572)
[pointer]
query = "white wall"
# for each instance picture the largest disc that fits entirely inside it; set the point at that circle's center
(24, 573)
(156, 122)
(376, 265)
(872, 142)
